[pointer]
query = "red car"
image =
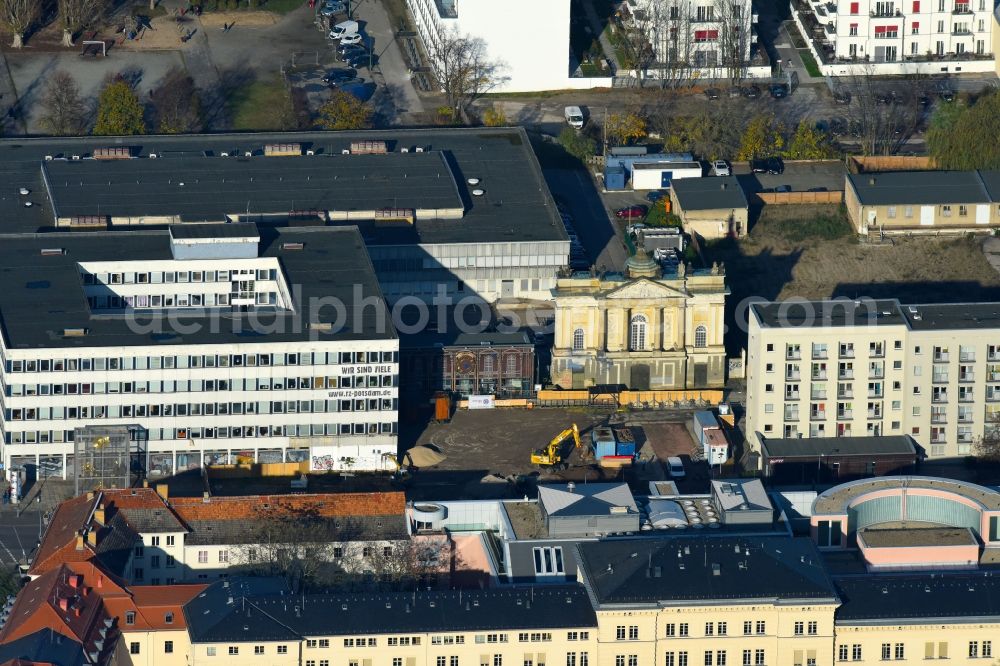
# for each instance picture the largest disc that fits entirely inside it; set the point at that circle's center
(630, 212)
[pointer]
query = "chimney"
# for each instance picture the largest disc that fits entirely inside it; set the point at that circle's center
(79, 541)
(99, 514)
(205, 497)
(145, 483)
(92, 537)
(161, 490)
(871, 181)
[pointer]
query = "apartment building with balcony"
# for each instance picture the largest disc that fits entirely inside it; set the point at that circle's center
(899, 36)
(848, 368)
(213, 343)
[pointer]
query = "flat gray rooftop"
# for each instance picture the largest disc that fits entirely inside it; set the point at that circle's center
(516, 205)
(836, 499)
(833, 313)
(957, 316)
(199, 188)
(41, 296)
(919, 187)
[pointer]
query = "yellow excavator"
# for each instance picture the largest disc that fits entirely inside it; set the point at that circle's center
(551, 456)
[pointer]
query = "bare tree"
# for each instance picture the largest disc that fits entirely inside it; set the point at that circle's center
(64, 111)
(75, 15)
(177, 104)
(733, 38)
(17, 16)
(987, 447)
(639, 32)
(884, 117)
(410, 564)
(464, 70)
(673, 42)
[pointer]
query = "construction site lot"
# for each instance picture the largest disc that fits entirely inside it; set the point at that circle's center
(812, 252)
(498, 444)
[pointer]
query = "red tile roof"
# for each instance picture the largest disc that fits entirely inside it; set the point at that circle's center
(134, 498)
(59, 544)
(151, 604)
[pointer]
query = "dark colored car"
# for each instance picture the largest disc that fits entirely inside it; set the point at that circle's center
(842, 96)
(344, 85)
(734, 91)
(351, 52)
(712, 93)
(771, 165)
(751, 92)
(779, 90)
(924, 100)
(363, 60)
(631, 212)
(655, 196)
(335, 76)
(838, 126)
(948, 95)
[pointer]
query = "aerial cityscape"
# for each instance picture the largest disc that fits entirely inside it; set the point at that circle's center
(499, 333)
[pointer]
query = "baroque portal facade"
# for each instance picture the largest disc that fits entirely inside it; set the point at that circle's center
(641, 329)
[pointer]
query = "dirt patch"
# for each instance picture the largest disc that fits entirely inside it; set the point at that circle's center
(800, 252)
(166, 33)
(239, 19)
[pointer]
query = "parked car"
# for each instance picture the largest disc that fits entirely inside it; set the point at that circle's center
(331, 7)
(734, 91)
(720, 168)
(629, 212)
(771, 165)
(783, 188)
(947, 95)
(347, 83)
(344, 28)
(350, 39)
(676, 467)
(335, 76)
(838, 126)
(635, 228)
(363, 60)
(574, 116)
(751, 92)
(353, 52)
(779, 90)
(842, 96)
(655, 195)
(712, 93)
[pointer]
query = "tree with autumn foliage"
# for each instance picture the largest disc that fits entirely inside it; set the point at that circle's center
(119, 112)
(624, 128)
(344, 111)
(763, 136)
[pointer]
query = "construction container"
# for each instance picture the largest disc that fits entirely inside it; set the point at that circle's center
(715, 446)
(605, 449)
(625, 449)
(704, 420)
(442, 407)
(605, 443)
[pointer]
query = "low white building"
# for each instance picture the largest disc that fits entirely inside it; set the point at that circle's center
(214, 343)
(886, 37)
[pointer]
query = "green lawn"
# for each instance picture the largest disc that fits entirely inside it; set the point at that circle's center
(258, 105)
(810, 63)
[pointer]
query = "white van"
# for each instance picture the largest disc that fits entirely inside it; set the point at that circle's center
(676, 467)
(574, 117)
(344, 28)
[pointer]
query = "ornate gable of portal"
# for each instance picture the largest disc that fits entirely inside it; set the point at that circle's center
(644, 289)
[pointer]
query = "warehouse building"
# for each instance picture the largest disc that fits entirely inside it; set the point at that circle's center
(212, 343)
(463, 211)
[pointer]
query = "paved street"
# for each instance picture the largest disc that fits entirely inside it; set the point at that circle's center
(19, 535)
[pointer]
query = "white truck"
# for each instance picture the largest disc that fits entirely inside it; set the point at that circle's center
(574, 117)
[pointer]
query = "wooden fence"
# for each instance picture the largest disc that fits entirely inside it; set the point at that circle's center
(863, 164)
(784, 198)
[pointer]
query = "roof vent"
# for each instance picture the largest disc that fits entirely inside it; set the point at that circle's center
(224, 154)
(475, 602)
(321, 326)
(28, 204)
(52, 251)
(419, 149)
(473, 181)
(153, 156)
(716, 569)
(404, 149)
(343, 607)
(48, 158)
(345, 151)
(310, 152)
(871, 181)
(246, 627)
(292, 246)
(433, 604)
(248, 153)
(388, 604)
(885, 590)
(478, 192)
(74, 332)
(24, 191)
(74, 157)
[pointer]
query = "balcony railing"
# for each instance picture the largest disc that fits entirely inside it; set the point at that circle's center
(937, 439)
(884, 13)
(845, 414)
(967, 377)
(993, 356)
(847, 353)
(848, 393)
(966, 397)
(792, 415)
(817, 395)
(965, 437)
(794, 395)
(876, 373)
(845, 374)
(817, 416)
(939, 418)
(819, 354)
(966, 358)
(939, 379)
(962, 9)
(939, 397)
(793, 354)
(874, 413)
(878, 352)
(993, 396)
(941, 357)
(874, 394)
(819, 376)
(793, 375)
(965, 418)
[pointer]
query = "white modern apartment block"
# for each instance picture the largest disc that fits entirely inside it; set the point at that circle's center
(530, 37)
(217, 342)
(874, 367)
(712, 38)
(900, 36)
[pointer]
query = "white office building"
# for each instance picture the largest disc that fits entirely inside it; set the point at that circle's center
(215, 343)
(886, 37)
(531, 38)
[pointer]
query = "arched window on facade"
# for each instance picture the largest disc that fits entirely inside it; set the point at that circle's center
(578, 340)
(701, 337)
(637, 333)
